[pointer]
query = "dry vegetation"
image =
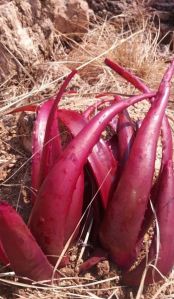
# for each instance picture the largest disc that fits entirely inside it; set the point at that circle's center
(137, 49)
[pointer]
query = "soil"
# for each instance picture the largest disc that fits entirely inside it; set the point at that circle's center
(15, 163)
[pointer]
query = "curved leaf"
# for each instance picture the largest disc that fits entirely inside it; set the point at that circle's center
(165, 217)
(125, 212)
(48, 216)
(100, 159)
(25, 256)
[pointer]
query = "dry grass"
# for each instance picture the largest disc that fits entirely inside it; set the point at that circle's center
(135, 49)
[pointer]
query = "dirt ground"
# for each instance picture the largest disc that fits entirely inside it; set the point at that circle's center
(134, 44)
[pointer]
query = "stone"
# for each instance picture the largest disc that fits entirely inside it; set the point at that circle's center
(28, 31)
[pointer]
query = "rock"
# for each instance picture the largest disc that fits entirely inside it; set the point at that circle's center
(24, 130)
(108, 8)
(162, 5)
(29, 30)
(70, 16)
(164, 12)
(103, 268)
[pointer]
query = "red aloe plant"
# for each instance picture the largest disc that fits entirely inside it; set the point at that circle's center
(164, 206)
(165, 131)
(59, 178)
(48, 216)
(122, 223)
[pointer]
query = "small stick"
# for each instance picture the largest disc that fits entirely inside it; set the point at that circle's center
(85, 241)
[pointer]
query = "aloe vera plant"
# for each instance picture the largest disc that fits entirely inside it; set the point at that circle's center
(121, 226)
(121, 171)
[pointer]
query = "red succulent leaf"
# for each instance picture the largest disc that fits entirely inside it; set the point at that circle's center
(25, 256)
(125, 213)
(50, 211)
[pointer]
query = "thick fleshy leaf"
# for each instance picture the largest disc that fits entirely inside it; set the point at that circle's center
(46, 137)
(75, 210)
(126, 135)
(52, 141)
(50, 211)
(95, 106)
(91, 109)
(25, 256)
(112, 143)
(164, 259)
(165, 132)
(38, 143)
(125, 212)
(101, 160)
(165, 129)
(167, 153)
(167, 143)
(130, 77)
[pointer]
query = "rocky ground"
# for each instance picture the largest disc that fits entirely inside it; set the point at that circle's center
(30, 30)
